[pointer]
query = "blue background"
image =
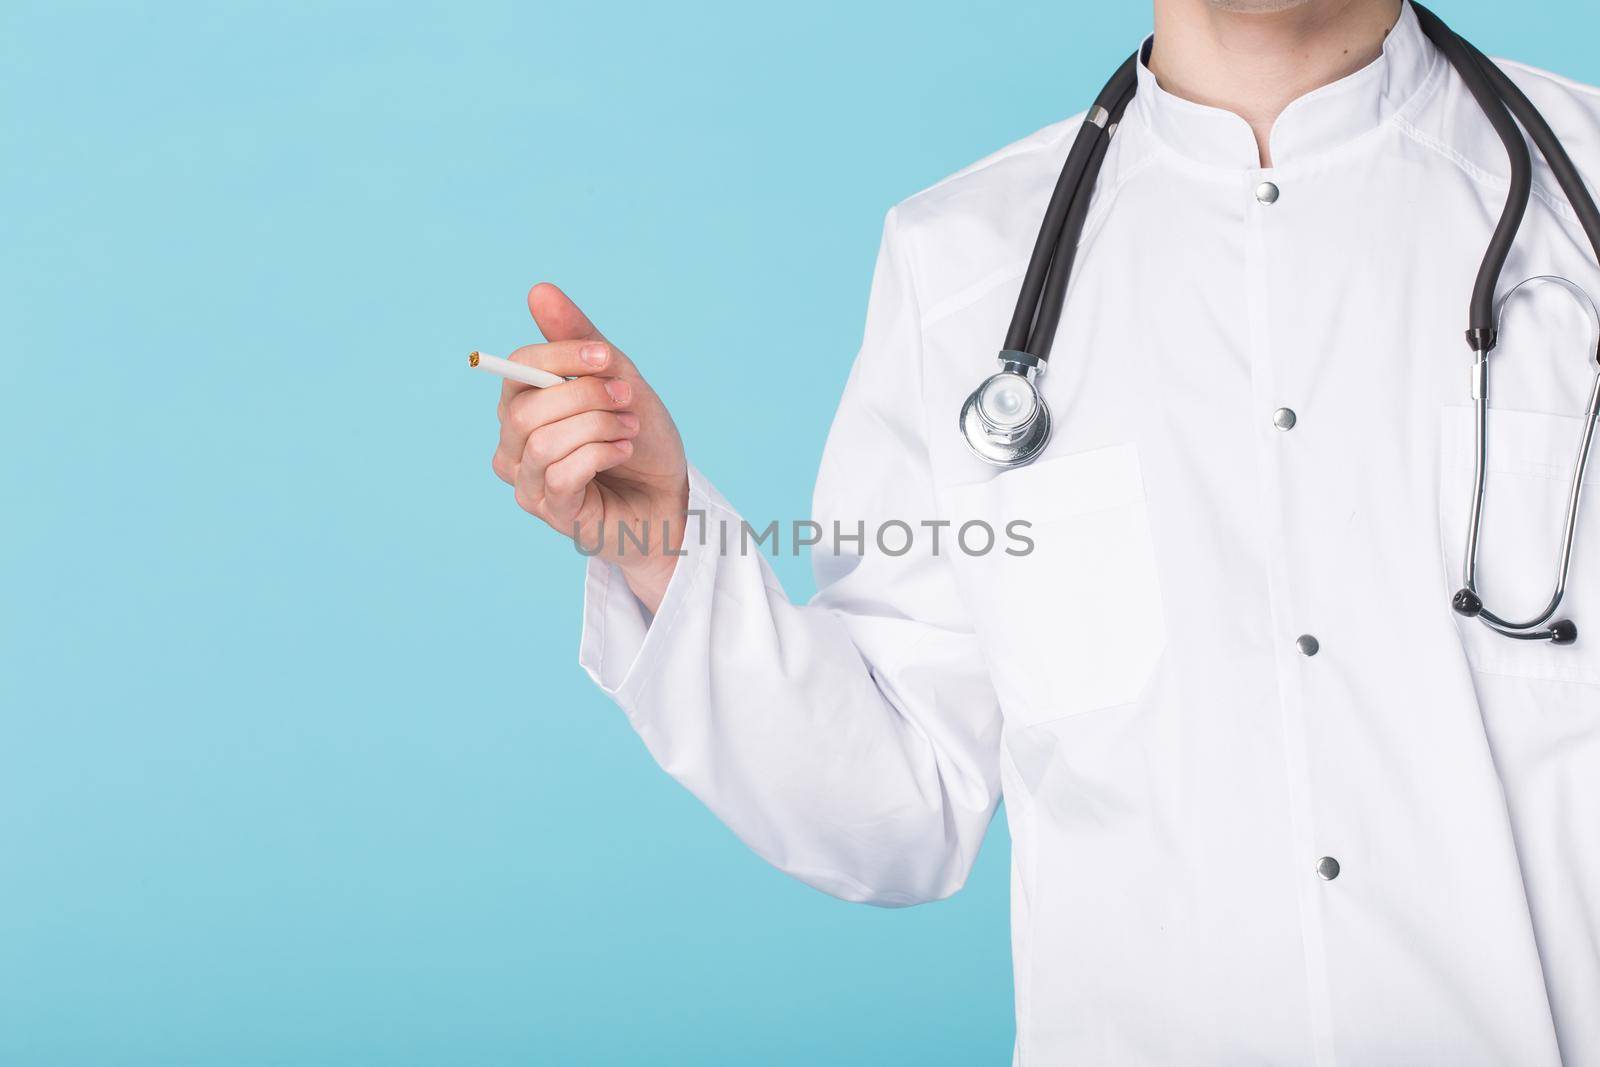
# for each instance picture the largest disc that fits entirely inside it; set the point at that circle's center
(296, 762)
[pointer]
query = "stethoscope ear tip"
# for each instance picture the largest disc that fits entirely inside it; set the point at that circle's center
(1467, 603)
(1470, 604)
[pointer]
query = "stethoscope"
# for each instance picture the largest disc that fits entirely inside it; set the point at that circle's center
(1006, 422)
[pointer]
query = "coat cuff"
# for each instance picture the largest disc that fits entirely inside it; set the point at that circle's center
(621, 642)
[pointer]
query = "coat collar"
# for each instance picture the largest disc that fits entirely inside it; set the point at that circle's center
(1320, 121)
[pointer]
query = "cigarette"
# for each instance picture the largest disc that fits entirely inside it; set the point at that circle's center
(517, 372)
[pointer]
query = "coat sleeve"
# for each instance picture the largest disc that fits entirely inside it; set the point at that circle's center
(851, 742)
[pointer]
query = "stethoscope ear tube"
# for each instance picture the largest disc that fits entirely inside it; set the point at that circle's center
(1467, 601)
(1500, 99)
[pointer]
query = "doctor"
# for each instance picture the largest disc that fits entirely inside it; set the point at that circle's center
(1271, 799)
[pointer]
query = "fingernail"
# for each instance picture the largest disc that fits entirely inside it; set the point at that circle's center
(629, 420)
(593, 355)
(626, 446)
(617, 389)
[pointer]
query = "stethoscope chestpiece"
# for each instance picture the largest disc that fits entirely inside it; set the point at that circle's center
(1005, 421)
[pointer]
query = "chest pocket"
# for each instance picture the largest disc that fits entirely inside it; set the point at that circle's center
(1529, 479)
(1075, 623)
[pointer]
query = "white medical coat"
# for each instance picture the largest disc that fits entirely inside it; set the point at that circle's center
(1174, 765)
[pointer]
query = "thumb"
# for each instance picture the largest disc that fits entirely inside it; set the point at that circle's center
(557, 317)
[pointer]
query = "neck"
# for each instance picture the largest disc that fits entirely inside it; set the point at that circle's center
(1252, 57)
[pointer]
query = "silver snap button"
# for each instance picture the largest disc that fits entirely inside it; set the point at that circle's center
(1307, 645)
(1327, 868)
(1267, 193)
(1284, 418)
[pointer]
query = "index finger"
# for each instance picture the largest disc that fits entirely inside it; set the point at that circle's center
(573, 358)
(570, 359)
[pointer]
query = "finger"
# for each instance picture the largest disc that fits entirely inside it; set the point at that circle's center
(528, 411)
(568, 359)
(557, 440)
(557, 317)
(566, 480)
(572, 358)
(554, 441)
(504, 469)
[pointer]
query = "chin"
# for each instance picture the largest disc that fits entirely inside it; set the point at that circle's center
(1256, 7)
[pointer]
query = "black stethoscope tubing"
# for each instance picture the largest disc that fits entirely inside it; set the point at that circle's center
(1044, 285)
(1032, 330)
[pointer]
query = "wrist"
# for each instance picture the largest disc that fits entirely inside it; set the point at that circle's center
(649, 578)
(649, 574)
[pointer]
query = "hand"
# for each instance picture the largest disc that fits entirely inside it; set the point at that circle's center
(596, 453)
